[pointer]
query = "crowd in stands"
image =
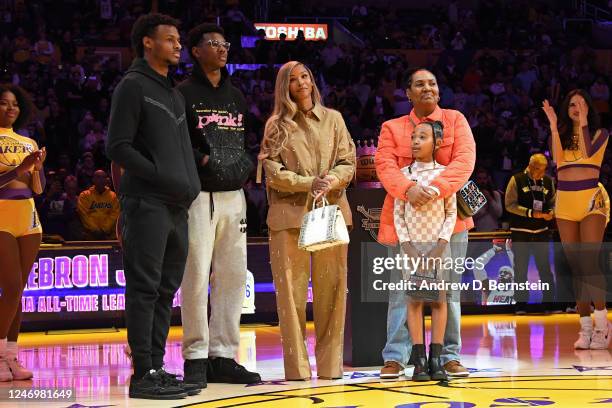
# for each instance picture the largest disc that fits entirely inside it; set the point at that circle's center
(497, 71)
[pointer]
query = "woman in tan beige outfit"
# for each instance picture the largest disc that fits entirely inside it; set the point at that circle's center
(306, 151)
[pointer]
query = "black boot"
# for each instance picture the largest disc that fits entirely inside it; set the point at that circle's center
(436, 369)
(195, 372)
(419, 359)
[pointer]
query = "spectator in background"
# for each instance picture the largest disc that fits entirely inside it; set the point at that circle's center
(487, 219)
(44, 49)
(57, 211)
(330, 54)
(96, 135)
(70, 91)
(21, 47)
(237, 23)
(526, 77)
(71, 189)
(67, 47)
(472, 79)
(63, 161)
(86, 125)
(453, 12)
(98, 209)
(600, 92)
(85, 170)
(530, 199)
(402, 105)
(458, 43)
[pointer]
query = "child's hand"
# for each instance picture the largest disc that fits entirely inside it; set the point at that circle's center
(409, 250)
(438, 250)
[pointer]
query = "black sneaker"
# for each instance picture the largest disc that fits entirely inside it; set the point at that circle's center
(152, 386)
(227, 370)
(172, 380)
(195, 371)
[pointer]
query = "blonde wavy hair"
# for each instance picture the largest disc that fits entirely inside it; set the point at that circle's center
(281, 123)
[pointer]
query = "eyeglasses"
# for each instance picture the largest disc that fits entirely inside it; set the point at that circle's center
(216, 44)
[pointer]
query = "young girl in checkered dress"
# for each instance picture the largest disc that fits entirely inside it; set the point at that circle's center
(424, 232)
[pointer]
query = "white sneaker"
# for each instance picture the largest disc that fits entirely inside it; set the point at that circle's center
(601, 338)
(584, 341)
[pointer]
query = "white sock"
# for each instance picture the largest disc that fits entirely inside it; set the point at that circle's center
(601, 319)
(586, 323)
(11, 348)
(3, 347)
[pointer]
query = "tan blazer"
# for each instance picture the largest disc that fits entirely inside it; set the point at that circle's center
(321, 142)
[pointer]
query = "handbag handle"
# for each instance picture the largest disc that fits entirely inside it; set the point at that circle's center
(322, 199)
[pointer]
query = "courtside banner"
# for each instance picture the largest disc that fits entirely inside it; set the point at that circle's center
(312, 32)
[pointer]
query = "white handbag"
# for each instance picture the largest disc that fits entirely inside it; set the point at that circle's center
(323, 227)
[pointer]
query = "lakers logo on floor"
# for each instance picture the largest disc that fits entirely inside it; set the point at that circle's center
(529, 391)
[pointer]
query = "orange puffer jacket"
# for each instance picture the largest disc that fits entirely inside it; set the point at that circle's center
(457, 152)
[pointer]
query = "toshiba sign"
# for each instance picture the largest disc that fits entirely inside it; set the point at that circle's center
(312, 32)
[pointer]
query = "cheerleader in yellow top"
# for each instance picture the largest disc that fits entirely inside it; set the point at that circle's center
(21, 176)
(582, 208)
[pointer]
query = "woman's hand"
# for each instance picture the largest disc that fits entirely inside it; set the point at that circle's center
(321, 184)
(41, 160)
(418, 196)
(550, 114)
(583, 112)
(28, 163)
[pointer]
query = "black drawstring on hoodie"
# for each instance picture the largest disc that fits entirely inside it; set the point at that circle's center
(212, 205)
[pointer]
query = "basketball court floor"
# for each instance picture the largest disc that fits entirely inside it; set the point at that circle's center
(514, 362)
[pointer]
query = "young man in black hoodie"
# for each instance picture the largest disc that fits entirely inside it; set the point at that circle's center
(149, 139)
(216, 112)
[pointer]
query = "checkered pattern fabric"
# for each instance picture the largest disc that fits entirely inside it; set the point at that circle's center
(431, 222)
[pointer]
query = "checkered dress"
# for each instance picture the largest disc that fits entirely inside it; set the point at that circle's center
(425, 225)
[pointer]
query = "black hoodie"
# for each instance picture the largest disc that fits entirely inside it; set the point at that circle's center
(216, 120)
(149, 139)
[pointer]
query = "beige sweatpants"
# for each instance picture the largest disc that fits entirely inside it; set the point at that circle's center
(216, 237)
(291, 270)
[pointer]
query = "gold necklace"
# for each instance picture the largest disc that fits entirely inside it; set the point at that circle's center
(574, 145)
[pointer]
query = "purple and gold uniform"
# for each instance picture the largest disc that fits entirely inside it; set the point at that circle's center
(17, 210)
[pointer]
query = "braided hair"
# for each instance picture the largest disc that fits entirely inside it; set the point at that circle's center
(438, 134)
